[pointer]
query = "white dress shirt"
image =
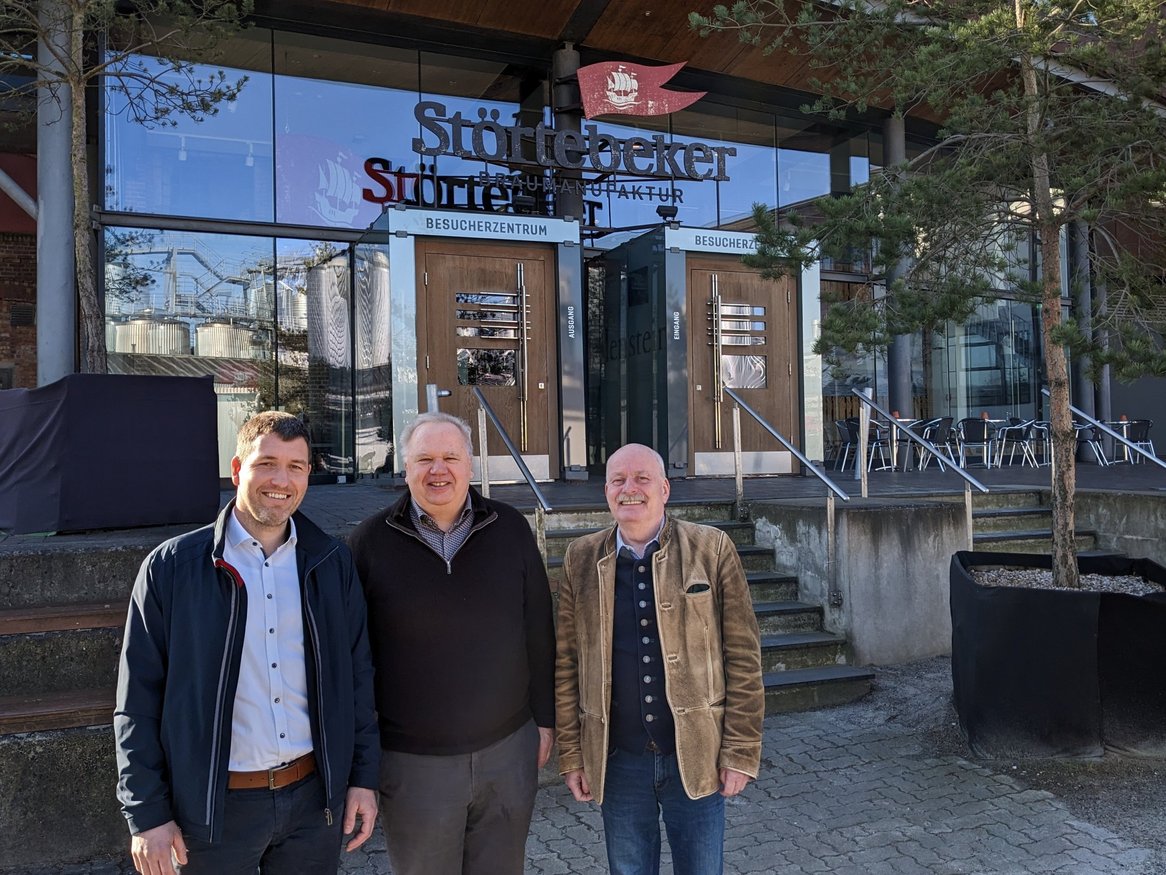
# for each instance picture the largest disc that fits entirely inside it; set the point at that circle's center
(270, 725)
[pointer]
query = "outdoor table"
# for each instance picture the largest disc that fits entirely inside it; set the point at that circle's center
(1123, 427)
(895, 425)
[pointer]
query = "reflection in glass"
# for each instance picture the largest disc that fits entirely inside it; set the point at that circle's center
(743, 371)
(741, 310)
(741, 325)
(373, 359)
(486, 331)
(218, 168)
(742, 340)
(314, 348)
(489, 315)
(501, 299)
(486, 367)
(187, 304)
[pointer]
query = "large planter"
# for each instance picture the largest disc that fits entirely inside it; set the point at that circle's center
(107, 451)
(1055, 673)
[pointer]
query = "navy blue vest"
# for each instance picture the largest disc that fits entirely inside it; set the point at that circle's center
(640, 715)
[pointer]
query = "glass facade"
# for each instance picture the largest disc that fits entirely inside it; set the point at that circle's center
(286, 306)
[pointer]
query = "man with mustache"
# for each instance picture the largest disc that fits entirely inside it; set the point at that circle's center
(658, 688)
(463, 644)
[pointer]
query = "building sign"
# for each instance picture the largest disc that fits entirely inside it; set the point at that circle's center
(704, 240)
(487, 139)
(438, 223)
(614, 87)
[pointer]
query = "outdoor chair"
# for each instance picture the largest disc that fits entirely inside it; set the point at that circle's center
(974, 433)
(844, 445)
(937, 432)
(1042, 434)
(1090, 436)
(875, 441)
(1138, 434)
(1012, 436)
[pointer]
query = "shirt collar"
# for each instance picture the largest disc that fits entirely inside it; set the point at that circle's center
(620, 543)
(421, 514)
(237, 536)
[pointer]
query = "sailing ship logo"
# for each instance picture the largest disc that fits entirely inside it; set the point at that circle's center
(622, 87)
(617, 88)
(337, 195)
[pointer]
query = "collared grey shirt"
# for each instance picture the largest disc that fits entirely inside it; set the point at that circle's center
(620, 543)
(444, 544)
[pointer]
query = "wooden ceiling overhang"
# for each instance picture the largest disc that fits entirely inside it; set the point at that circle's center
(635, 30)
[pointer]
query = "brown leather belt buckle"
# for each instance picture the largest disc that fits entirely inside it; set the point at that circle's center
(273, 779)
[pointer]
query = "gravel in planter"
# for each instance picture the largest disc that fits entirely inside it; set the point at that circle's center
(1042, 578)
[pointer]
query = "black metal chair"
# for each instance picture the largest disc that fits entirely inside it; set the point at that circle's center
(1138, 434)
(974, 433)
(1090, 436)
(938, 432)
(844, 445)
(875, 441)
(1016, 434)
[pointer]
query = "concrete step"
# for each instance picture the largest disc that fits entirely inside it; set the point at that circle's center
(63, 710)
(806, 688)
(772, 586)
(794, 650)
(57, 777)
(1002, 519)
(559, 538)
(61, 618)
(1002, 497)
(31, 578)
(1035, 541)
(776, 618)
(52, 662)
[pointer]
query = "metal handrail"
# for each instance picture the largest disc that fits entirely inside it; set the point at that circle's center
(969, 480)
(1113, 434)
(834, 594)
(831, 485)
(543, 507)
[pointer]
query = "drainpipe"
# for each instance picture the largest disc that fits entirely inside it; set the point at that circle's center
(568, 113)
(1081, 290)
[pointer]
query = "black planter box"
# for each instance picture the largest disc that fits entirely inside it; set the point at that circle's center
(1055, 673)
(108, 451)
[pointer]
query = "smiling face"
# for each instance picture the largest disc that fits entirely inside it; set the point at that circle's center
(637, 491)
(271, 482)
(437, 470)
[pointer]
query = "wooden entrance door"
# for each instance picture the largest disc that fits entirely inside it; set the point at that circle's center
(486, 318)
(743, 331)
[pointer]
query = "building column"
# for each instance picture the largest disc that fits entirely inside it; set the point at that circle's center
(56, 295)
(901, 395)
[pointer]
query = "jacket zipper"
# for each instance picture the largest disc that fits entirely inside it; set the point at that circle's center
(449, 561)
(220, 696)
(320, 688)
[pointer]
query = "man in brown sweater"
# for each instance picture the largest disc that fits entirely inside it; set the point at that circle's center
(463, 648)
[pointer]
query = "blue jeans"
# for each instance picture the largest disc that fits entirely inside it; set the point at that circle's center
(637, 790)
(278, 832)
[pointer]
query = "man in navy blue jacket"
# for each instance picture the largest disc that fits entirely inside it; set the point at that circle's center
(246, 734)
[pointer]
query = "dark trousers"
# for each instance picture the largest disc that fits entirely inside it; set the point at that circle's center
(278, 832)
(465, 814)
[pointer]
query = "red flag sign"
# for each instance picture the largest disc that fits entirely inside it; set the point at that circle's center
(616, 87)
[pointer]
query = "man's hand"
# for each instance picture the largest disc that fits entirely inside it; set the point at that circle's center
(151, 849)
(359, 801)
(579, 786)
(546, 740)
(733, 782)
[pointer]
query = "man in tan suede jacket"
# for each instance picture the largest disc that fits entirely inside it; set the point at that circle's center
(658, 692)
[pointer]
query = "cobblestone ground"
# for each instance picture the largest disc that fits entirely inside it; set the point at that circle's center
(882, 786)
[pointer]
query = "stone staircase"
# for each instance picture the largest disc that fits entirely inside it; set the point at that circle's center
(62, 612)
(1018, 522)
(804, 665)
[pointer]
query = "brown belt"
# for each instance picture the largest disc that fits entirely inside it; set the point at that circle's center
(273, 779)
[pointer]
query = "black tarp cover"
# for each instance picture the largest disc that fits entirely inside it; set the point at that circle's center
(1056, 673)
(102, 451)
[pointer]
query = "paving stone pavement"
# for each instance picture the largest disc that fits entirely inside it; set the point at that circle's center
(880, 786)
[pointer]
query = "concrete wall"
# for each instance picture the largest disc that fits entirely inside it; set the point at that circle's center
(1125, 522)
(892, 571)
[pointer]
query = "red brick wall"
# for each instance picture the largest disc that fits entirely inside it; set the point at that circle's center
(18, 287)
